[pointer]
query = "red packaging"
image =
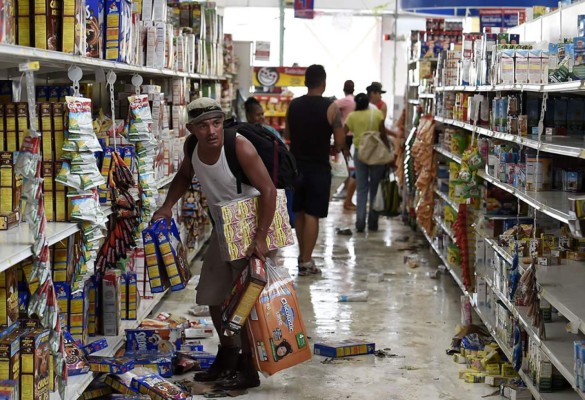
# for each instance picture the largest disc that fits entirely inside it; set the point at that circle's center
(276, 327)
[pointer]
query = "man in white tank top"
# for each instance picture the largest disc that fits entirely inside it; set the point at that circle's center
(230, 369)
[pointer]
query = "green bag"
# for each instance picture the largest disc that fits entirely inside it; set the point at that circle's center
(387, 201)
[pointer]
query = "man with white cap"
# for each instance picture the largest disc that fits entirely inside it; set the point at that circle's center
(231, 370)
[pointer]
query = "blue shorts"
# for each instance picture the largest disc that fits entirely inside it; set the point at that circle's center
(312, 191)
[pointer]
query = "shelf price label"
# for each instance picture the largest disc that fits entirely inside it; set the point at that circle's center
(29, 66)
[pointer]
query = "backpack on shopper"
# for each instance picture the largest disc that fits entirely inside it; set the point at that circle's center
(372, 150)
(279, 161)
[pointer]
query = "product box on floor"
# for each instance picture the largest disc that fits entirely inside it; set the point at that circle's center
(344, 348)
(158, 388)
(203, 359)
(114, 365)
(161, 363)
(152, 340)
(97, 390)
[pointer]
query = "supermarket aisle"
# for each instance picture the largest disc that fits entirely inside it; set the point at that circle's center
(408, 312)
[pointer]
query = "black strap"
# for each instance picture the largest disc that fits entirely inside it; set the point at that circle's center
(229, 137)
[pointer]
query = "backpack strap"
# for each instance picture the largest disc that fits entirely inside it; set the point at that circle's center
(190, 144)
(229, 144)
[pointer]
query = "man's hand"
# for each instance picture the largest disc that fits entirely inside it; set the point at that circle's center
(162, 213)
(258, 248)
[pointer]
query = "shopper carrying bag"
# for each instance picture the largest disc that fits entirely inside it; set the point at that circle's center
(370, 167)
(374, 150)
(387, 201)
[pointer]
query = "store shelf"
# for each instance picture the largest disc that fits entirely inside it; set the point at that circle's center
(193, 253)
(571, 146)
(426, 96)
(50, 61)
(16, 243)
(553, 203)
(439, 149)
(572, 86)
(446, 199)
(275, 114)
(162, 182)
(444, 227)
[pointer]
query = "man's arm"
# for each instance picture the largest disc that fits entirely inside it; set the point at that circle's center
(334, 118)
(286, 127)
(177, 189)
(255, 170)
(384, 110)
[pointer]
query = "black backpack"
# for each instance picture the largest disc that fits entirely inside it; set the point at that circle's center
(279, 161)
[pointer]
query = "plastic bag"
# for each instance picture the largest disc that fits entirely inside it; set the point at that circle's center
(339, 168)
(378, 204)
(275, 325)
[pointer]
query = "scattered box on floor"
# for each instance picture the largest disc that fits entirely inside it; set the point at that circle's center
(189, 345)
(129, 397)
(94, 346)
(96, 390)
(161, 364)
(160, 340)
(114, 365)
(121, 383)
(245, 292)
(515, 392)
(344, 348)
(158, 387)
(203, 358)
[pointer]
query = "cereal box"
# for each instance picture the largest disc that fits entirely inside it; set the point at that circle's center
(158, 388)
(157, 362)
(245, 292)
(172, 253)
(34, 365)
(344, 348)
(47, 20)
(9, 390)
(156, 274)
(8, 296)
(114, 365)
(121, 383)
(95, 346)
(145, 340)
(10, 354)
(96, 390)
(94, 22)
(74, 358)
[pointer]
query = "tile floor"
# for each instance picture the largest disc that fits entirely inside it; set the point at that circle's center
(407, 311)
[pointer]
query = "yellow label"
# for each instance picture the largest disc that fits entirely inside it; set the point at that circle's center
(11, 144)
(68, 7)
(27, 386)
(27, 363)
(5, 200)
(4, 369)
(68, 34)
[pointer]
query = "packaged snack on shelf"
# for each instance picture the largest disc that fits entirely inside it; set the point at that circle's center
(10, 354)
(34, 365)
(276, 326)
(245, 292)
(8, 297)
(110, 314)
(47, 20)
(74, 358)
(236, 221)
(94, 346)
(158, 387)
(73, 27)
(114, 365)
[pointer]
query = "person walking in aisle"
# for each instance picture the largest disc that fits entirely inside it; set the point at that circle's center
(347, 105)
(362, 120)
(255, 115)
(310, 121)
(205, 156)
(375, 96)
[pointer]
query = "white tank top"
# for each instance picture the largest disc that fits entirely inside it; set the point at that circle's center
(218, 182)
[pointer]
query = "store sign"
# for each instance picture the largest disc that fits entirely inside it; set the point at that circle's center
(279, 76)
(262, 51)
(304, 9)
(501, 17)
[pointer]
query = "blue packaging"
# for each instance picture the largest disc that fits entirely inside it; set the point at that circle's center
(94, 346)
(160, 363)
(344, 348)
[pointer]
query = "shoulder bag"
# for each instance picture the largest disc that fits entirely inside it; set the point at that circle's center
(372, 150)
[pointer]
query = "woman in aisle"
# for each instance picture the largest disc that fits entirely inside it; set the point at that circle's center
(368, 177)
(255, 115)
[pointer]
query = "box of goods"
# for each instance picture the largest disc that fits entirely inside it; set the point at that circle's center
(10, 354)
(189, 345)
(172, 253)
(9, 390)
(10, 186)
(157, 274)
(34, 365)
(158, 388)
(538, 173)
(95, 346)
(74, 358)
(202, 358)
(122, 383)
(111, 303)
(245, 292)
(8, 297)
(160, 363)
(129, 397)
(344, 348)
(114, 365)
(276, 326)
(236, 223)
(149, 340)
(73, 34)
(118, 21)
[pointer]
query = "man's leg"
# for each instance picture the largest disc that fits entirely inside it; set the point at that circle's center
(310, 234)
(224, 341)
(299, 229)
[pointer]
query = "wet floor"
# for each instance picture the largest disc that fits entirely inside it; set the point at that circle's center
(407, 313)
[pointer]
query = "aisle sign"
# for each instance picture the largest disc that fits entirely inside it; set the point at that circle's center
(262, 51)
(304, 9)
(279, 76)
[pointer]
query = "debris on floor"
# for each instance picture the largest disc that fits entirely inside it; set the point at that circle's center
(353, 297)
(344, 231)
(410, 368)
(375, 277)
(386, 354)
(344, 348)
(199, 311)
(340, 360)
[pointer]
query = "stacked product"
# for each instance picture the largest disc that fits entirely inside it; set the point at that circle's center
(439, 34)
(425, 170)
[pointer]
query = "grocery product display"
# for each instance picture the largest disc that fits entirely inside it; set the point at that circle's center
(505, 211)
(81, 174)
